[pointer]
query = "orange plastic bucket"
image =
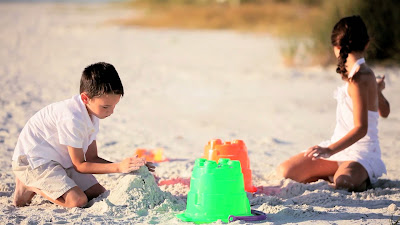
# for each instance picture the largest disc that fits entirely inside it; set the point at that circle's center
(234, 150)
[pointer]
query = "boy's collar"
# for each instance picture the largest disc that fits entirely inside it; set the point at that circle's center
(89, 118)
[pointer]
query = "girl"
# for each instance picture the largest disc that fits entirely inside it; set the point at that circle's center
(352, 158)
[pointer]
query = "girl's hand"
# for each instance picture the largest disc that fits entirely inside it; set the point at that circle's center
(316, 152)
(130, 164)
(150, 166)
(380, 81)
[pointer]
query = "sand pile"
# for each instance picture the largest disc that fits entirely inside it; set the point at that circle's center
(134, 195)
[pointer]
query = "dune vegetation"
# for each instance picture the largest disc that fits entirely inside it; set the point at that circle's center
(305, 23)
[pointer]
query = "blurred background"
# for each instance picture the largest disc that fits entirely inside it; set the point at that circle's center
(304, 24)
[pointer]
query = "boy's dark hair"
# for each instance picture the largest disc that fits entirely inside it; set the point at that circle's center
(99, 79)
(351, 35)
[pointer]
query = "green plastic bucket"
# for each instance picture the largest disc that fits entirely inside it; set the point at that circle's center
(216, 192)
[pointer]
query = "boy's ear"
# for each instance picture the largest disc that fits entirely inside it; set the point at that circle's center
(85, 98)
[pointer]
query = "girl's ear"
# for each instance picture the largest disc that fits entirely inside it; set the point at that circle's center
(85, 98)
(336, 50)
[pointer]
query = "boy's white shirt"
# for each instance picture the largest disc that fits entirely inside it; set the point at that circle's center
(47, 134)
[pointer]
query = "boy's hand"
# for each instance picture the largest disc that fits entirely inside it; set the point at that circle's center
(130, 164)
(380, 80)
(150, 166)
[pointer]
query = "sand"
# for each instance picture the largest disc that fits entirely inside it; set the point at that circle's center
(183, 88)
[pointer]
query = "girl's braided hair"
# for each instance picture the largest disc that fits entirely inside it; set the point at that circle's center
(350, 35)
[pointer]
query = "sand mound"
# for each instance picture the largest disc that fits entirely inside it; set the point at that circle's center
(137, 193)
(136, 197)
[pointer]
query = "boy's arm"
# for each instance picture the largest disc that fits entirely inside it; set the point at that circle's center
(91, 154)
(127, 165)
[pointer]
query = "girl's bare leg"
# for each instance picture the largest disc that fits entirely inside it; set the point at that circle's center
(351, 176)
(304, 169)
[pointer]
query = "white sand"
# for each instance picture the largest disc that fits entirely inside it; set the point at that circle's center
(183, 88)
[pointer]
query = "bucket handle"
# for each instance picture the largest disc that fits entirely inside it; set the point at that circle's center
(258, 216)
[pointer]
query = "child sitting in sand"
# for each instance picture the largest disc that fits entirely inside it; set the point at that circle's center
(351, 159)
(56, 152)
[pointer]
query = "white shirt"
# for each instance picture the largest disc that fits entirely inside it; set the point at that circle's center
(47, 134)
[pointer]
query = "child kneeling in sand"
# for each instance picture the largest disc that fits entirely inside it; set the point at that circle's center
(56, 152)
(352, 158)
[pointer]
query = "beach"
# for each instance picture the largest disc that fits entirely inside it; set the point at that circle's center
(183, 88)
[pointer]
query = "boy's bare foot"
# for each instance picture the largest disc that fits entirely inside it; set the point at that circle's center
(22, 196)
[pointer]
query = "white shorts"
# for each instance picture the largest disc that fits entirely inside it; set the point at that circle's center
(368, 154)
(51, 178)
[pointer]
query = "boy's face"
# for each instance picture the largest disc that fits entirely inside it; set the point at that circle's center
(102, 106)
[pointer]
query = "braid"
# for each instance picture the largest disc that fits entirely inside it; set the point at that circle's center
(345, 49)
(344, 52)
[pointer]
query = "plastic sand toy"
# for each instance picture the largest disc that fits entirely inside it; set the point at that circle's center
(234, 150)
(154, 155)
(217, 193)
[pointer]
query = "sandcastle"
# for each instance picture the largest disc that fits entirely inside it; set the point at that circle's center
(234, 150)
(138, 192)
(216, 192)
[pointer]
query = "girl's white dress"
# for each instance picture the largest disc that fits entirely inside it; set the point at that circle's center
(365, 151)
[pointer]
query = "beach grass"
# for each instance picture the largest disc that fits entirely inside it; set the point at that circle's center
(291, 20)
(276, 17)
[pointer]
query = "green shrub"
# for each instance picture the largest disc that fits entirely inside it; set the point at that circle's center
(292, 19)
(382, 18)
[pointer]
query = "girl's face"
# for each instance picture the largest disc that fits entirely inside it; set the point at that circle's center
(336, 50)
(102, 106)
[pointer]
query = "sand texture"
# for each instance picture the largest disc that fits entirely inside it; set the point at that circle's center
(182, 89)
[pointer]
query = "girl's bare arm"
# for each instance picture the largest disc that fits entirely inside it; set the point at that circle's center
(358, 90)
(383, 103)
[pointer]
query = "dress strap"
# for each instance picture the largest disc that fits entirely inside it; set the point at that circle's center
(356, 67)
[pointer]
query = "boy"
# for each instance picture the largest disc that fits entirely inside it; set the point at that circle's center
(56, 152)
